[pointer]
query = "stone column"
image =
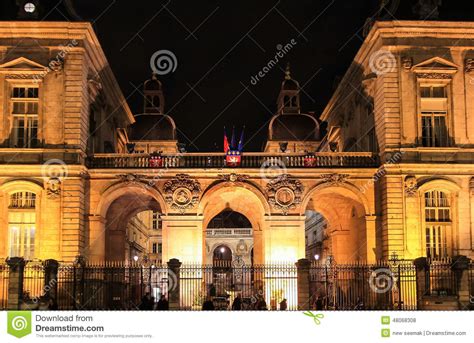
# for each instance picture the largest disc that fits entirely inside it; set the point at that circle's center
(303, 280)
(371, 224)
(15, 282)
(51, 279)
(174, 284)
(182, 237)
(460, 267)
(96, 249)
(422, 279)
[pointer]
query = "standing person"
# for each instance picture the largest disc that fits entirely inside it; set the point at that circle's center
(212, 291)
(145, 302)
(208, 305)
(237, 304)
(283, 305)
(262, 304)
(319, 303)
(162, 304)
(151, 305)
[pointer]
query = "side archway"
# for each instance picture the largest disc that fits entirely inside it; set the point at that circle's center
(336, 223)
(117, 205)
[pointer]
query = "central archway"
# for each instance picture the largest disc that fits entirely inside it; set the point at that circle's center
(243, 205)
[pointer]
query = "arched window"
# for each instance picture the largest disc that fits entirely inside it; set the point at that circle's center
(437, 224)
(22, 224)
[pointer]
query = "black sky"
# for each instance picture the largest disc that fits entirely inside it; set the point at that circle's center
(219, 45)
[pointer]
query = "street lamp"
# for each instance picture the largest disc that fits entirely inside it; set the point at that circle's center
(316, 257)
(135, 258)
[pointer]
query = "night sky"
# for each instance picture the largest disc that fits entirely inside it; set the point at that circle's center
(220, 45)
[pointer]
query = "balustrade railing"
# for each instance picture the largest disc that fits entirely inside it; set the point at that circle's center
(248, 160)
(228, 232)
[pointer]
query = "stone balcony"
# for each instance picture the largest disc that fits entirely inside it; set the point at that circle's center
(248, 160)
(228, 232)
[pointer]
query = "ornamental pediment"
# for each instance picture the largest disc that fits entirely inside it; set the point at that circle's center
(22, 64)
(435, 65)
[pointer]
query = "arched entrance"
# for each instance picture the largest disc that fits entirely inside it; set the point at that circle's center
(236, 212)
(335, 226)
(232, 231)
(129, 213)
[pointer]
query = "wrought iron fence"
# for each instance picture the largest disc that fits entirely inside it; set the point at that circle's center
(237, 286)
(4, 272)
(227, 285)
(360, 286)
(441, 278)
(110, 286)
(471, 284)
(33, 283)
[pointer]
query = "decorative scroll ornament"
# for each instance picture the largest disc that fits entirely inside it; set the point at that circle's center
(233, 177)
(284, 193)
(182, 193)
(53, 188)
(20, 76)
(56, 64)
(132, 178)
(469, 65)
(433, 76)
(241, 247)
(407, 62)
(334, 178)
(411, 186)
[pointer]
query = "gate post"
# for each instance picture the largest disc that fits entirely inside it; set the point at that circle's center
(174, 284)
(15, 282)
(51, 280)
(303, 283)
(459, 266)
(422, 279)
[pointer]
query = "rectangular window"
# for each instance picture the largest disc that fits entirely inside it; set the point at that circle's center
(434, 132)
(433, 92)
(160, 248)
(434, 113)
(156, 221)
(24, 106)
(372, 141)
(154, 248)
(436, 243)
(437, 223)
(22, 228)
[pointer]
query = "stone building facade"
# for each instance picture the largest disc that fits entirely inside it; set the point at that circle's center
(393, 174)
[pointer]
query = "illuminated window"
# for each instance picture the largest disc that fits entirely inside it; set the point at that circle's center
(24, 109)
(22, 224)
(156, 221)
(437, 223)
(434, 110)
